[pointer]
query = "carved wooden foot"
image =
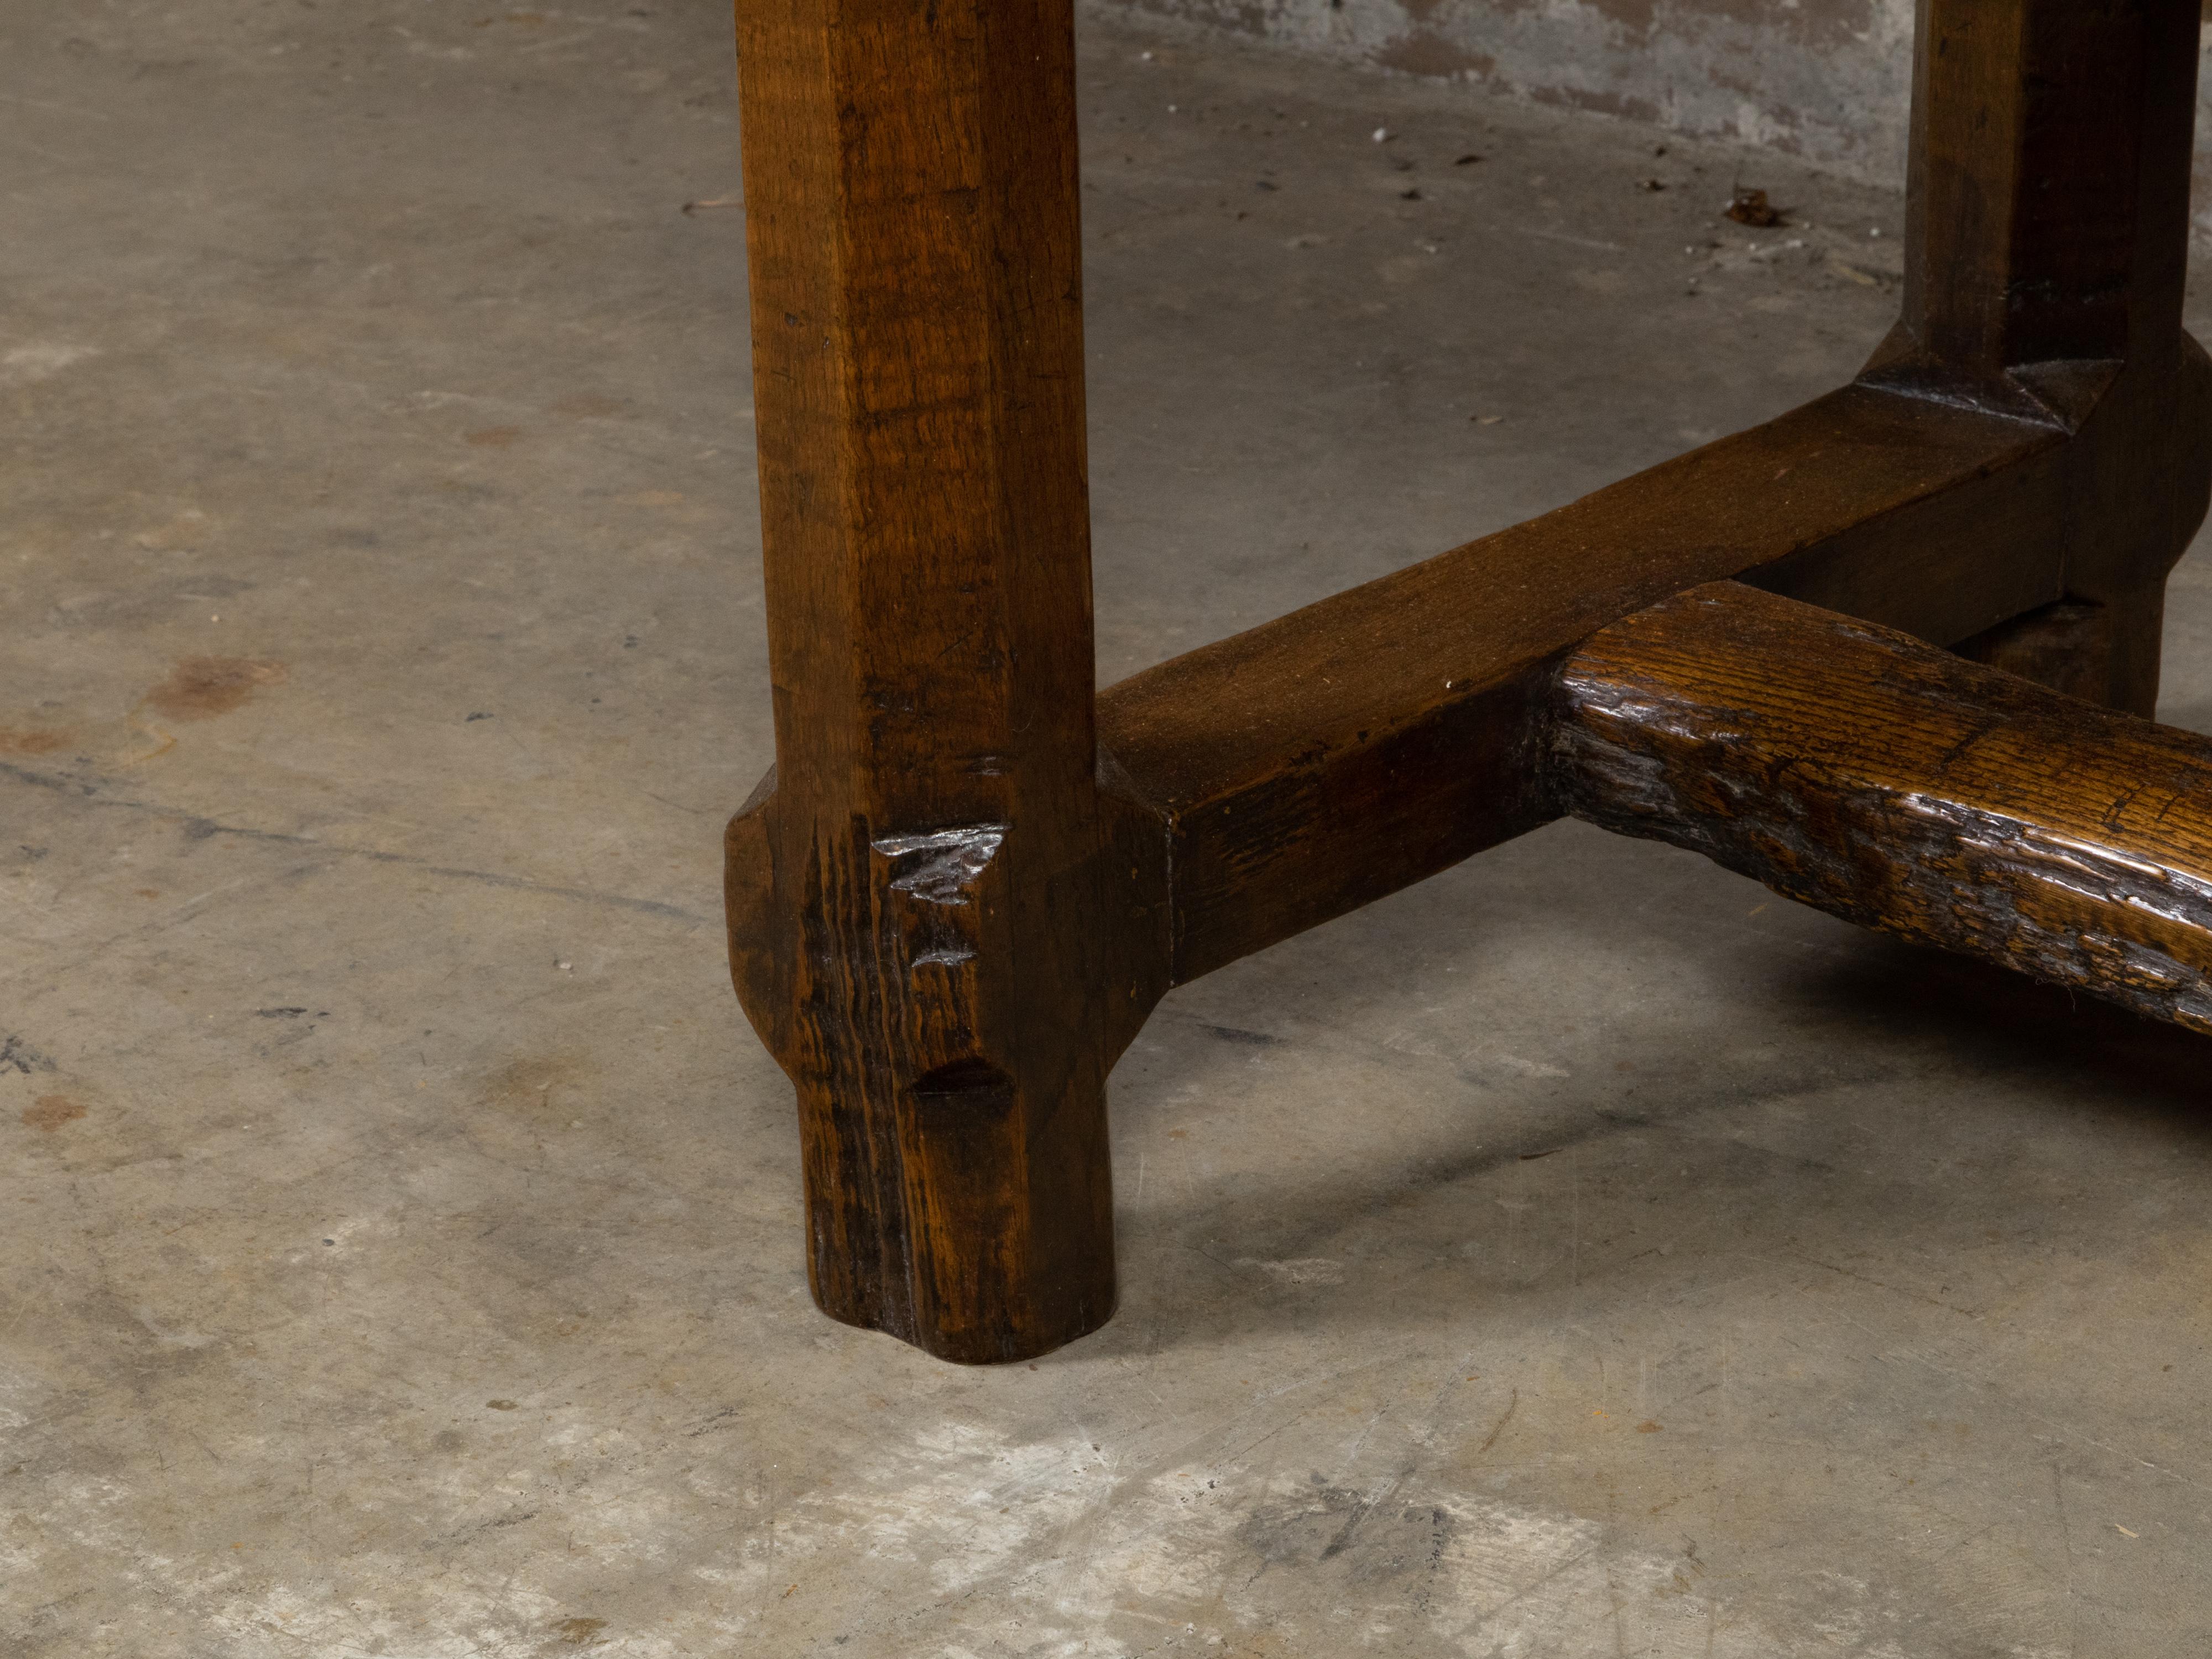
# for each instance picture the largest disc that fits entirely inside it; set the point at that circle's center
(953, 1002)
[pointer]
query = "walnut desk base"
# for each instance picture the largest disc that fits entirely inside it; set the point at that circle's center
(969, 878)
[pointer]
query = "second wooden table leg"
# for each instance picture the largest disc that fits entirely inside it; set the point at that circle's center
(2048, 242)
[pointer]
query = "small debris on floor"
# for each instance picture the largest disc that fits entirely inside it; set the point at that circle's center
(1653, 184)
(1409, 195)
(1467, 160)
(1382, 134)
(1751, 207)
(1486, 419)
(704, 203)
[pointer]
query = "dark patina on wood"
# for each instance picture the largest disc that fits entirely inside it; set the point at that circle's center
(1852, 768)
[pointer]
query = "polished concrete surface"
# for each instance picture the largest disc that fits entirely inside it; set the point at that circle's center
(1585, 1253)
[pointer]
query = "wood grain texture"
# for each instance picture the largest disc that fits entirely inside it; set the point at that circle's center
(2042, 178)
(1857, 769)
(2046, 243)
(937, 924)
(1312, 764)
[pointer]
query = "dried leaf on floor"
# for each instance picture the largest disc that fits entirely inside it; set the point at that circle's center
(1751, 207)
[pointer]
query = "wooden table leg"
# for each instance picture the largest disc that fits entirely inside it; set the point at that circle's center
(940, 924)
(2049, 241)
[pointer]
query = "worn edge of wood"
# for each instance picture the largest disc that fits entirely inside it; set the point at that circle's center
(1857, 769)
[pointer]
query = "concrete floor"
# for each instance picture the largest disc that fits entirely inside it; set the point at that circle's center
(1584, 1253)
